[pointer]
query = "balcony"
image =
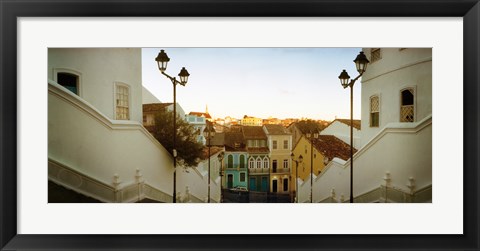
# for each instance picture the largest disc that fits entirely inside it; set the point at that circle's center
(258, 170)
(280, 170)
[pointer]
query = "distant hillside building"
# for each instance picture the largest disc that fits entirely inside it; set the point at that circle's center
(251, 121)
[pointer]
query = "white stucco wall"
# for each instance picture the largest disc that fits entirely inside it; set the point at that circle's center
(342, 131)
(82, 138)
(99, 70)
(148, 97)
(196, 179)
(398, 69)
(402, 149)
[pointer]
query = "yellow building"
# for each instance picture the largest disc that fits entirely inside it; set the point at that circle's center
(251, 121)
(325, 148)
(279, 145)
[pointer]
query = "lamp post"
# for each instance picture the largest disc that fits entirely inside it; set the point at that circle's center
(312, 137)
(300, 159)
(209, 132)
(162, 61)
(361, 63)
(220, 159)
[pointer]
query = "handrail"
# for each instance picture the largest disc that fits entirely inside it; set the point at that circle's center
(66, 95)
(395, 127)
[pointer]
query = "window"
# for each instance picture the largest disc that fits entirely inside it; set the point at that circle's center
(251, 163)
(375, 54)
(69, 81)
(407, 106)
(374, 111)
(259, 163)
(285, 163)
(265, 162)
(122, 104)
(230, 161)
(274, 144)
(285, 184)
(263, 143)
(242, 161)
(242, 177)
(274, 165)
(285, 144)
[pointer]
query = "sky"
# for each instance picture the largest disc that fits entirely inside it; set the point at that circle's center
(259, 82)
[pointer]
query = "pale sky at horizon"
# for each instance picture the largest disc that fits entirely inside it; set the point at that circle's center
(260, 82)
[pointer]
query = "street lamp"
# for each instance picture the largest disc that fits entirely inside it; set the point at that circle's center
(162, 60)
(209, 132)
(300, 159)
(361, 63)
(312, 139)
(220, 159)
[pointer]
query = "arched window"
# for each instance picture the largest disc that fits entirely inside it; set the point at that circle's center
(407, 108)
(251, 163)
(230, 161)
(242, 161)
(259, 162)
(265, 162)
(374, 111)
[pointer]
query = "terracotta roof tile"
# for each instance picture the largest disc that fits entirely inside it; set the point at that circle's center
(234, 141)
(155, 107)
(253, 132)
(332, 147)
(213, 150)
(201, 114)
(276, 130)
(257, 150)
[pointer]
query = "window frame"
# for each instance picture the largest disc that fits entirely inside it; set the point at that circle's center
(251, 163)
(73, 72)
(118, 85)
(265, 163)
(414, 93)
(258, 163)
(244, 177)
(372, 112)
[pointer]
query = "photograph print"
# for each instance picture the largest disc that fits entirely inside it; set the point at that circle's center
(240, 125)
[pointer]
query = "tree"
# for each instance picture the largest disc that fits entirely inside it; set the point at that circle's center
(189, 151)
(309, 125)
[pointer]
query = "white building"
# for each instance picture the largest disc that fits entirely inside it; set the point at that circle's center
(97, 145)
(340, 128)
(394, 163)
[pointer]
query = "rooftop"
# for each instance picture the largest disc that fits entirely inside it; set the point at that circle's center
(332, 147)
(253, 132)
(276, 130)
(201, 114)
(356, 123)
(257, 150)
(213, 150)
(153, 107)
(234, 141)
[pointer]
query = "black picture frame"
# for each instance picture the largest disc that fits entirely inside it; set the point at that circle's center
(11, 10)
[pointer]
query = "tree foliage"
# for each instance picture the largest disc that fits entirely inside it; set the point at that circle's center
(189, 151)
(309, 125)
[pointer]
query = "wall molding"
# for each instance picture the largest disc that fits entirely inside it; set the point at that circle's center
(72, 179)
(68, 97)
